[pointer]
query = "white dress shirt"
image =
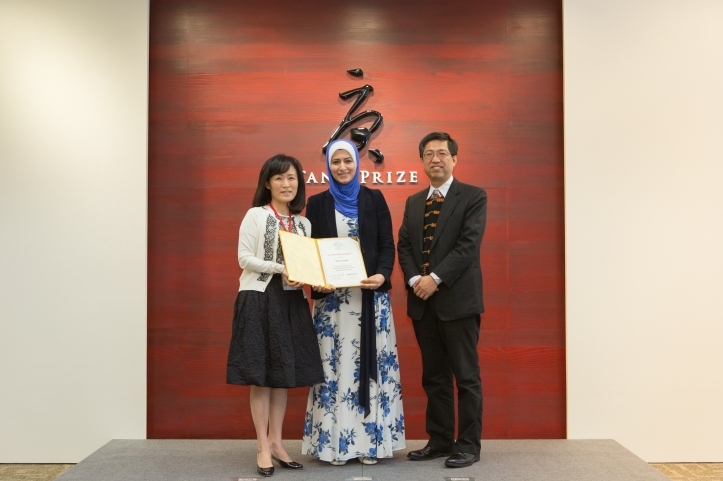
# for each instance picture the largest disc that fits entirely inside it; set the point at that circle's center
(443, 189)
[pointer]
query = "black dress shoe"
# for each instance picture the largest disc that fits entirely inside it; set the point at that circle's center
(285, 465)
(427, 452)
(461, 460)
(264, 471)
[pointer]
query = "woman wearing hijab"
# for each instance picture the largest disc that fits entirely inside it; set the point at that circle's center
(357, 411)
(273, 346)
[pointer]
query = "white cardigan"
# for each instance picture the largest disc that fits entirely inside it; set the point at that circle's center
(258, 246)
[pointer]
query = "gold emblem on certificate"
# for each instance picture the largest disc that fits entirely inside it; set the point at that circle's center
(331, 262)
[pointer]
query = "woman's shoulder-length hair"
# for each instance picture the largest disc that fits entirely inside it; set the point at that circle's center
(280, 164)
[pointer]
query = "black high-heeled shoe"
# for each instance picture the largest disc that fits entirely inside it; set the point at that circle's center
(285, 465)
(264, 471)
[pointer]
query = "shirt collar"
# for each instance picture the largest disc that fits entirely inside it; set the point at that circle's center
(443, 189)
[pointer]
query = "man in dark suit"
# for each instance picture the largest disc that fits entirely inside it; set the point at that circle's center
(439, 244)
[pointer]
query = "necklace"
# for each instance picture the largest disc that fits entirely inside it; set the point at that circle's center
(283, 226)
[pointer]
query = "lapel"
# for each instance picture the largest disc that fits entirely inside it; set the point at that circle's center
(416, 221)
(361, 202)
(450, 202)
(330, 214)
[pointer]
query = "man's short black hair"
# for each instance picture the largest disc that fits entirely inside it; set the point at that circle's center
(279, 164)
(451, 143)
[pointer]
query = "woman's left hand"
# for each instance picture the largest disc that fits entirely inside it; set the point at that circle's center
(293, 284)
(373, 282)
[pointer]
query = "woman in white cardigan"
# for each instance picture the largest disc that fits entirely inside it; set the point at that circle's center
(273, 343)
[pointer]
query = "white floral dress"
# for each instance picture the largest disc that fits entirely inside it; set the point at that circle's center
(335, 428)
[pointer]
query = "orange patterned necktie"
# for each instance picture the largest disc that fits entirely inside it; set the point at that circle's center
(431, 214)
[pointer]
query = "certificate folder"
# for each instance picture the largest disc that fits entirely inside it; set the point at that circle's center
(331, 262)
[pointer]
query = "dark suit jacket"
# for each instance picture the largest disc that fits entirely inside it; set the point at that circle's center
(454, 255)
(375, 231)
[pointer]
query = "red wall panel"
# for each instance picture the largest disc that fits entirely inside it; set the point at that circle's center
(232, 83)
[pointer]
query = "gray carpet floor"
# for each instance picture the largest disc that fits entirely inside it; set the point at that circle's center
(224, 460)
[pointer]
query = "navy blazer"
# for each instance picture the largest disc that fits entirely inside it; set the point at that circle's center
(375, 231)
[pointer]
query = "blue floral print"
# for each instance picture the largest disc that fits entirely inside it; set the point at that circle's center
(346, 439)
(352, 224)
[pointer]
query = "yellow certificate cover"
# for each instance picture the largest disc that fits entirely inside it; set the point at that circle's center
(332, 262)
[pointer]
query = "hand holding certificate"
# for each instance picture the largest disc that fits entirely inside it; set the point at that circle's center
(331, 262)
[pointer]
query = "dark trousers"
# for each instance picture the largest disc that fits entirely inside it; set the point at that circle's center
(449, 350)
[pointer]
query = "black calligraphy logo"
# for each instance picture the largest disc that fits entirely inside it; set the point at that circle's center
(360, 135)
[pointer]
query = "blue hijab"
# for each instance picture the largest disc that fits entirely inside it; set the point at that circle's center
(345, 195)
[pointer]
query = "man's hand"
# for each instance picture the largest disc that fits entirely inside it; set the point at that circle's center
(425, 287)
(295, 285)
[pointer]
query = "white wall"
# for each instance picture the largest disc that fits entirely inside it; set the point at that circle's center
(644, 225)
(73, 123)
(644, 163)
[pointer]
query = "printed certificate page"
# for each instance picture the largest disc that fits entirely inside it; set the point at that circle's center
(301, 259)
(342, 261)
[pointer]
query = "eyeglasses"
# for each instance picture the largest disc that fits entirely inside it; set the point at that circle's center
(442, 154)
